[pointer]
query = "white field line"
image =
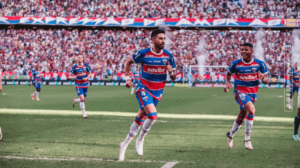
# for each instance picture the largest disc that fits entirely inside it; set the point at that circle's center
(169, 164)
(80, 159)
(133, 114)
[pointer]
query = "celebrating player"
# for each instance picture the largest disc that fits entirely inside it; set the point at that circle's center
(248, 71)
(155, 62)
(136, 78)
(81, 72)
(37, 79)
(294, 76)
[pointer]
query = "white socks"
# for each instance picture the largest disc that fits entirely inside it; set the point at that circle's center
(134, 129)
(290, 101)
(132, 90)
(37, 94)
(77, 100)
(82, 107)
(34, 93)
(146, 128)
(236, 126)
(248, 126)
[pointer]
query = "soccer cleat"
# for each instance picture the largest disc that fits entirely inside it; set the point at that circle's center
(122, 152)
(289, 106)
(32, 96)
(74, 103)
(0, 134)
(296, 137)
(85, 116)
(37, 99)
(248, 144)
(229, 140)
(139, 147)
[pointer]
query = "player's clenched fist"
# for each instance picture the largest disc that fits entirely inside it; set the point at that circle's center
(226, 89)
(129, 83)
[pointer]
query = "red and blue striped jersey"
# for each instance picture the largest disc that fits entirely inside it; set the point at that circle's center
(247, 76)
(32, 72)
(136, 76)
(295, 76)
(154, 70)
(36, 76)
(81, 72)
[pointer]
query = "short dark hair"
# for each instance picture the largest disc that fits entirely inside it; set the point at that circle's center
(156, 32)
(248, 44)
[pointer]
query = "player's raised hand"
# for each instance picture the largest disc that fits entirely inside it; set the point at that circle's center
(226, 89)
(129, 84)
(169, 67)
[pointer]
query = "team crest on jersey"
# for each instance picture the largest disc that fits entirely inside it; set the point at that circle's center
(165, 61)
(254, 69)
(242, 96)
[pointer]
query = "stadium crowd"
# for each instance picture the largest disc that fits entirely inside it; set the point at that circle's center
(153, 8)
(107, 50)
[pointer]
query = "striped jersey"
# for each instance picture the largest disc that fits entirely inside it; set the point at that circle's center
(32, 72)
(136, 76)
(36, 74)
(247, 76)
(81, 72)
(154, 70)
(295, 76)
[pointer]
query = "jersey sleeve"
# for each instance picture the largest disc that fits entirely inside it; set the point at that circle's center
(138, 57)
(172, 62)
(263, 68)
(73, 70)
(231, 68)
(88, 68)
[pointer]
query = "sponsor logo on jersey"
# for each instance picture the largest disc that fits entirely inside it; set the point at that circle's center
(156, 70)
(145, 98)
(165, 61)
(249, 77)
(254, 69)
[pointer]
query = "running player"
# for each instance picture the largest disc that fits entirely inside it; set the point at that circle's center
(155, 63)
(294, 77)
(136, 78)
(81, 72)
(37, 79)
(32, 81)
(248, 71)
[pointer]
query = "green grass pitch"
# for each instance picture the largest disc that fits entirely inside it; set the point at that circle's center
(71, 141)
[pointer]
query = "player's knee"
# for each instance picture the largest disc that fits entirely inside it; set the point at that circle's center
(139, 120)
(251, 111)
(152, 116)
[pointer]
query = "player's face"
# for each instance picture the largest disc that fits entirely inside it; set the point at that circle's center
(246, 51)
(80, 58)
(159, 41)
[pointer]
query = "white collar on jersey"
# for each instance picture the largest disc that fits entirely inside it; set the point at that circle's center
(157, 53)
(248, 62)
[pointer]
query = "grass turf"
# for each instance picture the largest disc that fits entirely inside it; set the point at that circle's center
(193, 143)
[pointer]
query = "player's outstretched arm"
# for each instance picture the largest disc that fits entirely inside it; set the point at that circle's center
(71, 76)
(172, 72)
(128, 63)
(228, 77)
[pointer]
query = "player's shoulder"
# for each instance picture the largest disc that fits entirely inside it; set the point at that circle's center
(143, 51)
(86, 64)
(258, 61)
(74, 66)
(168, 53)
(235, 62)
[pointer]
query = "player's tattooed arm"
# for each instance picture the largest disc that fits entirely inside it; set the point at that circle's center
(172, 72)
(264, 78)
(228, 77)
(128, 63)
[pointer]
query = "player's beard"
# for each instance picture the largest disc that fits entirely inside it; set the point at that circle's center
(159, 46)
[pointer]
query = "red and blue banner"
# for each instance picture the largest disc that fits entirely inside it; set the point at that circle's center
(151, 22)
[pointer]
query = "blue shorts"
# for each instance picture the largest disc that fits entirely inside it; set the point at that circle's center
(242, 99)
(82, 91)
(37, 85)
(145, 98)
(293, 89)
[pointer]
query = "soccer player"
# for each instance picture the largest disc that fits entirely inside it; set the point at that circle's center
(81, 72)
(136, 78)
(37, 79)
(248, 71)
(155, 63)
(32, 81)
(294, 77)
